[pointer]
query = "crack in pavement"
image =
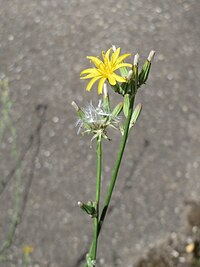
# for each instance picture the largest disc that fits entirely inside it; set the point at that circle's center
(35, 141)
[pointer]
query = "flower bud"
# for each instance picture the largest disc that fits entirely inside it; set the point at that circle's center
(130, 75)
(143, 76)
(79, 111)
(136, 59)
(75, 106)
(151, 55)
(105, 90)
(114, 48)
(106, 100)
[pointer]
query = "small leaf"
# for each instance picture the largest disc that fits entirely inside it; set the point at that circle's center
(135, 115)
(126, 105)
(117, 110)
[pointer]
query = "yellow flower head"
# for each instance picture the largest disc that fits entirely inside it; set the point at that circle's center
(27, 250)
(105, 69)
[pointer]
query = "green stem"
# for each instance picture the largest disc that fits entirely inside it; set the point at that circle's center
(117, 165)
(98, 188)
(114, 175)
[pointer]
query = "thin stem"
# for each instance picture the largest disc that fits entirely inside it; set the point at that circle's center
(115, 173)
(117, 165)
(98, 188)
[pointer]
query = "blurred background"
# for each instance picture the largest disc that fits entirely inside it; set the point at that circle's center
(46, 167)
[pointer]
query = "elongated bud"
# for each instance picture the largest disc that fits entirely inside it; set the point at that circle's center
(75, 106)
(135, 70)
(105, 90)
(126, 105)
(143, 76)
(151, 55)
(114, 48)
(79, 111)
(130, 75)
(136, 59)
(80, 204)
(106, 100)
(135, 115)
(116, 111)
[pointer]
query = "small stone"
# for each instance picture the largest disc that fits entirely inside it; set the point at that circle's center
(11, 37)
(175, 254)
(182, 259)
(55, 119)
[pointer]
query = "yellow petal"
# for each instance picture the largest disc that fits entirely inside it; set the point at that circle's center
(119, 78)
(108, 54)
(27, 250)
(122, 57)
(121, 65)
(96, 61)
(106, 58)
(91, 75)
(100, 85)
(111, 79)
(115, 55)
(90, 84)
(91, 70)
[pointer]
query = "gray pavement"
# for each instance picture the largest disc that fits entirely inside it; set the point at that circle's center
(43, 45)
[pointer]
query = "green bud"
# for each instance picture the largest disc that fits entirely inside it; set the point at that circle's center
(144, 72)
(135, 70)
(143, 76)
(123, 72)
(116, 111)
(126, 105)
(135, 115)
(130, 75)
(106, 100)
(79, 111)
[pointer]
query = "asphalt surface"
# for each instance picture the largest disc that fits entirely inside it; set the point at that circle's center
(43, 48)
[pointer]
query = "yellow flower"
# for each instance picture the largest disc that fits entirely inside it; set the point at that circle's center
(105, 69)
(27, 250)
